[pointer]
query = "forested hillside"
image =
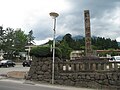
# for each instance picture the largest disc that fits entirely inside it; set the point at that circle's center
(67, 44)
(98, 43)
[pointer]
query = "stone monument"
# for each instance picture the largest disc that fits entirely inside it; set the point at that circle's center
(88, 49)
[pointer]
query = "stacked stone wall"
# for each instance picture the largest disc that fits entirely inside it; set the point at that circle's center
(101, 80)
(41, 70)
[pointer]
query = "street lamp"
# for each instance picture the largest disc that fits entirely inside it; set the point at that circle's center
(54, 16)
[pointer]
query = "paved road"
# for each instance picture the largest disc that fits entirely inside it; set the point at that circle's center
(18, 67)
(7, 84)
(24, 85)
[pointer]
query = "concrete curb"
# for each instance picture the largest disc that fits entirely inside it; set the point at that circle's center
(17, 74)
(3, 76)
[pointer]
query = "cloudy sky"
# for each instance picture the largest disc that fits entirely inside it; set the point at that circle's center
(34, 15)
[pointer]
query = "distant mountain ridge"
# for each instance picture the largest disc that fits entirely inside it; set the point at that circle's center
(60, 37)
(118, 43)
(76, 38)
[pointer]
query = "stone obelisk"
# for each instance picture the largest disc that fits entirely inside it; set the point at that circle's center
(88, 49)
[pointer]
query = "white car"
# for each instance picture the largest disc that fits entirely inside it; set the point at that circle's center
(114, 59)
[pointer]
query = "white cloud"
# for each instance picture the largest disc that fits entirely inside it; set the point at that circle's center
(18, 13)
(34, 15)
(39, 42)
(108, 25)
(118, 39)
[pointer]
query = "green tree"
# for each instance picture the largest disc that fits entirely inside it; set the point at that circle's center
(104, 43)
(2, 36)
(115, 44)
(68, 39)
(20, 40)
(30, 38)
(8, 42)
(15, 42)
(65, 49)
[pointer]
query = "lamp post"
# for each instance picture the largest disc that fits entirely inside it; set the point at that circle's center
(54, 16)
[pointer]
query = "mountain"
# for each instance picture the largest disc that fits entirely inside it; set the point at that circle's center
(77, 37)
(59, 37)
(74, 37)
(118, 43)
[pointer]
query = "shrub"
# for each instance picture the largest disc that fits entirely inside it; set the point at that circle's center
(44, 51)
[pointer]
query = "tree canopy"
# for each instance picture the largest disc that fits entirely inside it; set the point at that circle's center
(13, 41)
(67, 44)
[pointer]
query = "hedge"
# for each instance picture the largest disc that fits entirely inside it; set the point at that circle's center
(45, 51)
